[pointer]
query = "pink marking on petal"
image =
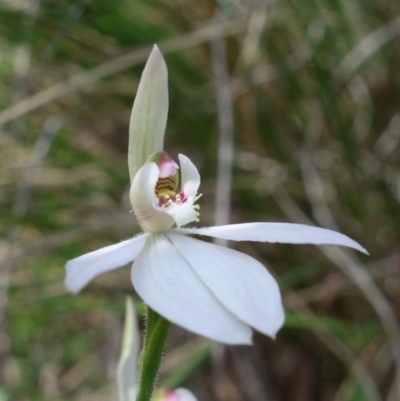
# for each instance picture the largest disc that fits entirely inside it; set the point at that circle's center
(168, 199)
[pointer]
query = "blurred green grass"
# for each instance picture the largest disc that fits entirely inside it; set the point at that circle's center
(293, 110)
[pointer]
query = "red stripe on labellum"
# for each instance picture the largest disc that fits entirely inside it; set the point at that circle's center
(159, 187)
(165, 184)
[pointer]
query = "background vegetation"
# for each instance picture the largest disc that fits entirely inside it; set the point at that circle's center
(315, 92)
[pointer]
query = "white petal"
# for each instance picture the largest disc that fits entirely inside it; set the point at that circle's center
(149, 113)
(144, 200)
(183, 213)
(168, 284)
(127, 371)
(86, 267)
(190, 177)
(242, 284)
(187, 212)
(285, 233)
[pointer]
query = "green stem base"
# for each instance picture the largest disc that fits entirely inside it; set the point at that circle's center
(150, 358)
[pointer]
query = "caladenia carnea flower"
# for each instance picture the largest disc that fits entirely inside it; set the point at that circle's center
(213, 291)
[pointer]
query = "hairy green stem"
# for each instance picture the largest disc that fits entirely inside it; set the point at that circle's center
(152, 319)
(150, 358)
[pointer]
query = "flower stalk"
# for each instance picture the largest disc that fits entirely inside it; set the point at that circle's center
(150, 358)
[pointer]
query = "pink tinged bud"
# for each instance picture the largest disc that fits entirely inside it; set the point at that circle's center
(180, 394)
(167, 166)
(169, 396)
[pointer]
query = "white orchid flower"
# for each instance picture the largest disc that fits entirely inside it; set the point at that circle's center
(210, 290)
